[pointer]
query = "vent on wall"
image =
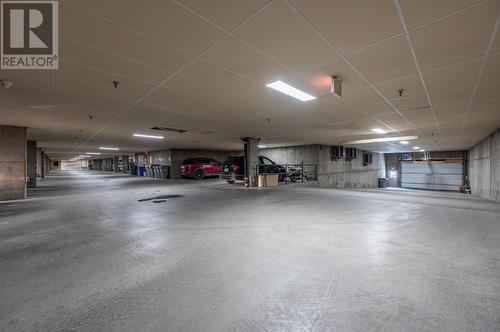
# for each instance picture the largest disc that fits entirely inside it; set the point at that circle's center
(367, 158)
(337, 152)
(350, 153)
(175, 130)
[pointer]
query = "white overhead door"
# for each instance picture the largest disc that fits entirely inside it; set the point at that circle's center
(432, 175)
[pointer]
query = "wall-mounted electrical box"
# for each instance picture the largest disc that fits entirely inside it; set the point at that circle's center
(337, 152)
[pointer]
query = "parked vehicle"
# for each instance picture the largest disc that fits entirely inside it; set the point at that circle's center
(199, 168)
(295, 174)
(234, 169)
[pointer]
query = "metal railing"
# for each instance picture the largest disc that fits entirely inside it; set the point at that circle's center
(289, 172)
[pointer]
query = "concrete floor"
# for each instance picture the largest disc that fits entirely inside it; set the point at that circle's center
(84, 255)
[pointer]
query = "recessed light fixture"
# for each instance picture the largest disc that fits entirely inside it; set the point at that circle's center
(93, 153)
(378, 130)
(148, 136)
(261, 146)
(382, 139)
(416, 148)
(108, 148)
(404, 142)
(290, 91)
(421, 150)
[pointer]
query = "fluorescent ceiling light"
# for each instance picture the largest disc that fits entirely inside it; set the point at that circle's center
(290, 90)
(96, 153)
(416, 147)
(108, 148)
(148, 136)
(378, 130)
(382, 139)
(261, 146)
(421, 150)
(404, 142)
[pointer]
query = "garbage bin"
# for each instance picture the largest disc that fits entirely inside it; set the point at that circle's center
(156, 171)
(383, 182)
(133, 169)
(164, 169)
(140, 170)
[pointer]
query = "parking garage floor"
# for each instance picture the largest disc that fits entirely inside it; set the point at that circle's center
(101, 251)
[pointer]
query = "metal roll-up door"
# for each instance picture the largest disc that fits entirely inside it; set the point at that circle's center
(432, 175)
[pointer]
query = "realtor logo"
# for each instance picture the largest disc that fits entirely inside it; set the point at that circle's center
(29, 33)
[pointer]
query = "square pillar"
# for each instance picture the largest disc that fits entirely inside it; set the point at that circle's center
(109, 164)
(31, 163)
(116, 164)
(42, 164)
(39, 162)
(12, 163)
(251, 153)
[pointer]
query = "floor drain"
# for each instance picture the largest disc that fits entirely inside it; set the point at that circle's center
(159, 199)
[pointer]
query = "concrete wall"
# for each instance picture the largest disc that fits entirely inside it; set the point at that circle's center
(338, 173)
(12, 163)
(78, 164)
(349, 174)
(307, 154)
(483, 167)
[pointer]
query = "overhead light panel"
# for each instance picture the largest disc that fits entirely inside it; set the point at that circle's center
(93, 153)
(421, 150)
(379, 131)
(382, 139)
(148, 136)
(404, 142)
(261, 146)
(108, 148)
(290, 91)
(416, 148)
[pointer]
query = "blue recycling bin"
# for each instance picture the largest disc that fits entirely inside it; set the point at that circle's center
(140, 170)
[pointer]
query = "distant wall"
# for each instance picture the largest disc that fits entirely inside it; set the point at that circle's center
(349, 174)
(79, 164)
(307, 154)
(338, 173)
(483, 167)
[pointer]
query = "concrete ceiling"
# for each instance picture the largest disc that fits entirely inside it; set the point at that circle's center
(203, 66)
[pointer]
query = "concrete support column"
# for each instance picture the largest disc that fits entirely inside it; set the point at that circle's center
(42, 164)
(251, 153)
(39, 162)
(116, 164)
(47, 164)
(125, 164)
(104, 166)
(109, 165)
(12, 163)
(31, 163)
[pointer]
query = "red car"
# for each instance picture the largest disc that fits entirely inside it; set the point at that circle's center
(199, 168)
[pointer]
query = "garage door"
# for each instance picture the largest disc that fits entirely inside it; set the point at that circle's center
(432, 175)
